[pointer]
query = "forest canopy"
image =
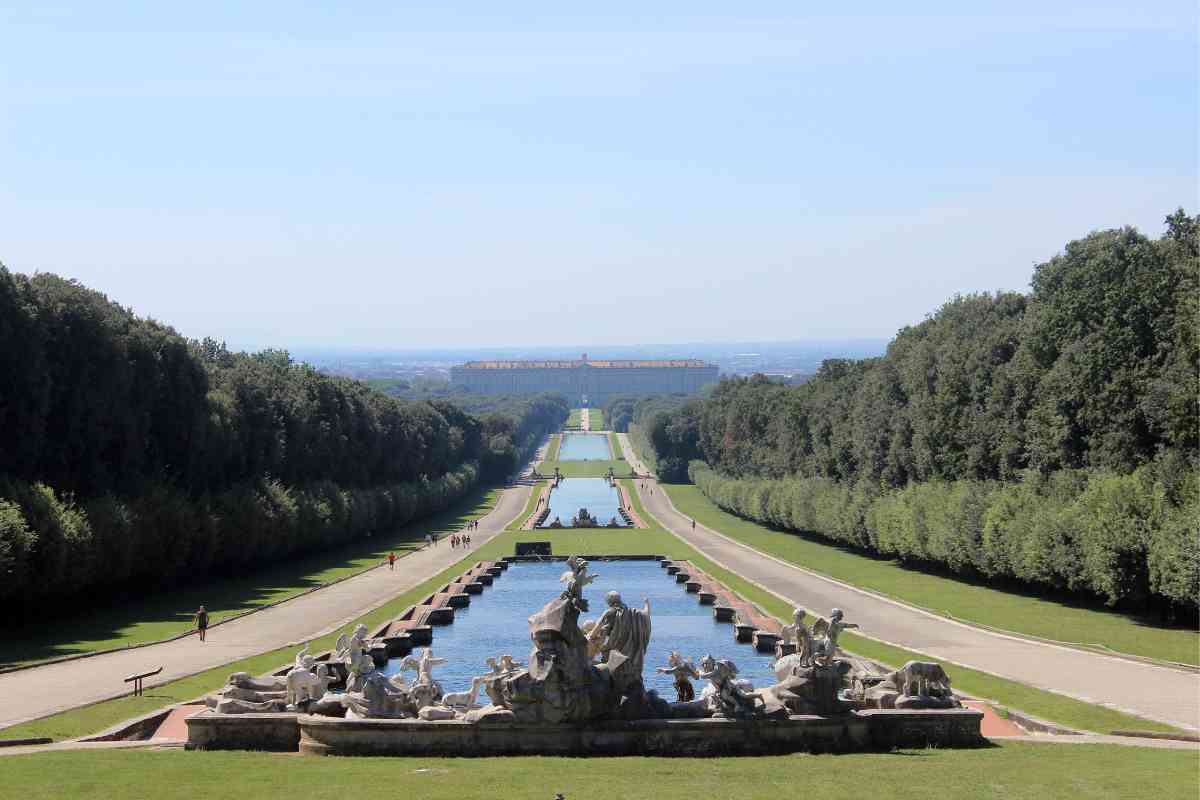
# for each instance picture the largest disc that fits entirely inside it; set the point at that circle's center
(1048, 437)
(129, 454)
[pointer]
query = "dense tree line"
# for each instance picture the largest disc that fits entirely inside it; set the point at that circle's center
(662, 429)
(512, 425)
(1088, 382)
(129, 454)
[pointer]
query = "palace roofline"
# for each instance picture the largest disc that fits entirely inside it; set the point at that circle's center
(673, 363)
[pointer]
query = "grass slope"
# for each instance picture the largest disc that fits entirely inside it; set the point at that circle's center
(596, 419)
(1011, 770)
(164, 614)
(615, 446)
(573, 418)
(530, 505)
(552, 450)
(584, 469)
(959, 598)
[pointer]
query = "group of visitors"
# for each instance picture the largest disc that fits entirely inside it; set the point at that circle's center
(460, 540)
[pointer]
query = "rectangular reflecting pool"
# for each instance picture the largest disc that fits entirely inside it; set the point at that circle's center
(601, 500)
(496, 623)
(584, 447)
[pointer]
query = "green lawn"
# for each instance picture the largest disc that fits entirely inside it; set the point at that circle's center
(573, 419)
(165, 614)
(615, 446)
(585, 469)
(961, 599)
(1016, 770)
(552, 450)
(530, 506)
(654, 541)
(595, 419)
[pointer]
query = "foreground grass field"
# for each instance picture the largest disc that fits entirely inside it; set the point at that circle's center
(653, 541)
(960, 599)
(155, 616)
(1013, 770)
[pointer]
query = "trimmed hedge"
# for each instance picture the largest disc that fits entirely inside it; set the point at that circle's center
(54, 550)
(1128, 539)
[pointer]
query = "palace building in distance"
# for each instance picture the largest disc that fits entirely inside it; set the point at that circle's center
(586, 381)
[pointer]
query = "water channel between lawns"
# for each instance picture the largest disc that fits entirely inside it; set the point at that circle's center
(496, 623)
(600, 499)
(584, 447)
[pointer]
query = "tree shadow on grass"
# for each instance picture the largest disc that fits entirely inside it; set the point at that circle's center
(163, 612)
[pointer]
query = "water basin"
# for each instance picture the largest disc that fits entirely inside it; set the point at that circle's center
(595, 494)
(496, 623)
(585, 447)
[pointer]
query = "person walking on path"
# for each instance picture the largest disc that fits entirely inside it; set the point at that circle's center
(693, 524)
(428, 540)
(202, 621)
(392, 561)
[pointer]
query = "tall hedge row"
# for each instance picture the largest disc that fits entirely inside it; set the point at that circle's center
(54, 548)
(1127, 539)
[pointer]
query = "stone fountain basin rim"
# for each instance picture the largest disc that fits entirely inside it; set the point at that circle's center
(865, 715)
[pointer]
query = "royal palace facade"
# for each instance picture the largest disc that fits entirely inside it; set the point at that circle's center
(586, 382)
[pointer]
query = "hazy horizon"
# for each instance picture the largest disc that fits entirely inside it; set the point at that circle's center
(420, 178)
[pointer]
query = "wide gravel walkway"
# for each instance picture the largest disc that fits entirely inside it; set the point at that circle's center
(1160, 693)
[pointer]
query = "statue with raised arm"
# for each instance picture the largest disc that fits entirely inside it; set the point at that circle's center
(624, 634)
(683, 672)
(576, 579)
(825, 637)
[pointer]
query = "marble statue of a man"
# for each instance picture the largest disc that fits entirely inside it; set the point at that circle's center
(624, 634)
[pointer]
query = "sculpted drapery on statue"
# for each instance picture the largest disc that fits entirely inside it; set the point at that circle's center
(624, 635)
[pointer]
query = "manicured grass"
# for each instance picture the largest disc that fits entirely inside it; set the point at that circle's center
(552, 450)
(160, 615)
(573, 419)
(959, 598)
(584, 469)
(534, 494)
(615, 446)
(654, 541)
(1009, 770)
(596, 419)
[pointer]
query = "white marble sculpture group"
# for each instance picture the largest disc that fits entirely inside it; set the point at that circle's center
(580, 672)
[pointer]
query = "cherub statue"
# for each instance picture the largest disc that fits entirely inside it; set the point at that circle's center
(825, 637)
(307, 680)
(353, 643)
(508, 664)
(683, 672)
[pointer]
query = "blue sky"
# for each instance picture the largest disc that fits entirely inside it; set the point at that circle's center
(385, 174)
